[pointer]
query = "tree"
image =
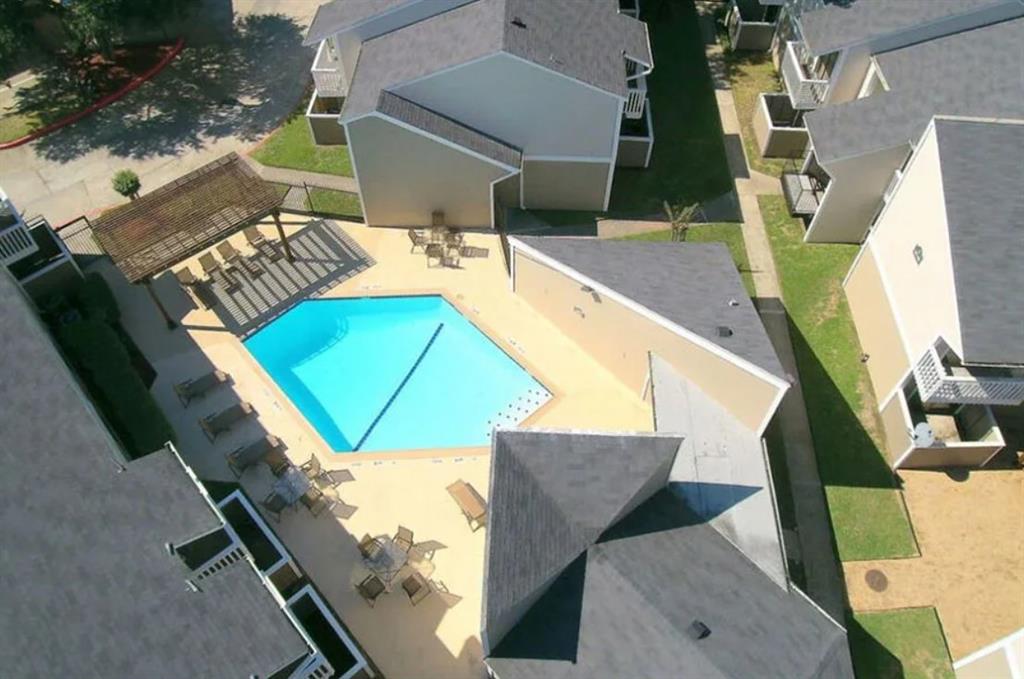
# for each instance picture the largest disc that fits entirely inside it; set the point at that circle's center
(681, 218)
(13, 33)
(127, 184)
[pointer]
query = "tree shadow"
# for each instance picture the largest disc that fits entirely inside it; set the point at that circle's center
(207, 93)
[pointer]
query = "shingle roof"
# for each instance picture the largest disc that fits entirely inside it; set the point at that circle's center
(625, 605)
(434, 123)
(583, 39)
(338, 15)
(552, 494)
(90, 588)
(972, 73)
(841, 23)
(721, 469)
(982, 168)
(694, 285)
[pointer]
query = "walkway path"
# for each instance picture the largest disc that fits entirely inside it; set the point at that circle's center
(814, 532)
(283, 175)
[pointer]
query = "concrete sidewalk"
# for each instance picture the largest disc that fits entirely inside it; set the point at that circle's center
(814, 530)
(281, 175)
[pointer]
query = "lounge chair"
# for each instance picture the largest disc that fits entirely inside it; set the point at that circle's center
(370, 588)
(215, 273)
(199, 387)
(274, 504)
(196, 288)
(417, 587)
(236, 259)
(472, 506)
(369, 547)
(316, 502)
(260, 244)
(323, 478)
(403, 538)
(251, 454)
(220, 422)
(418, 239)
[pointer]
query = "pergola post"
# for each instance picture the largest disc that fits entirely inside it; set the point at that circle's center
(147, 283)
(280, 234)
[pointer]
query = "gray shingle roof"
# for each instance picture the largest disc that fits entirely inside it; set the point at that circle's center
(584, 39)
(841, 23)
(689, 284)
(338, 15)
(721, 470)
(434, 123)
(623, 608)
(90, 589)
(552, 494)
(982, 168)
(972, 73)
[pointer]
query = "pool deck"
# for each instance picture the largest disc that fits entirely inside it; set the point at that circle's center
(440, 636)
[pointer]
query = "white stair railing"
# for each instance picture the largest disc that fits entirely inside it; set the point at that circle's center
(328, 76)
(935, 386)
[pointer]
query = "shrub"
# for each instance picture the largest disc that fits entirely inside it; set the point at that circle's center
(103, 364)
(95, 300)
(127, 184)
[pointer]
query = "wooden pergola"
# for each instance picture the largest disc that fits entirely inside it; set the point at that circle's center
(183, 218)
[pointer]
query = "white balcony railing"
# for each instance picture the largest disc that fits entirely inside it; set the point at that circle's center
(635, 98)
(15, 240)
(328, 75)
(936, 386)
(804, 92)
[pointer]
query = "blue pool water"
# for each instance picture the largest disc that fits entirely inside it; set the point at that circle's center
(394, 373)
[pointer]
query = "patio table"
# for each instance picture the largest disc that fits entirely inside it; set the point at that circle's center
(389, 559)
(291, 485)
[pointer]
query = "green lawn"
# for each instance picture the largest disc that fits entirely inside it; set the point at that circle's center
(899, 644)
(688, 164)
(867, 512)
(730, 234)
(291, 146)
(750, 74)
(337, 203)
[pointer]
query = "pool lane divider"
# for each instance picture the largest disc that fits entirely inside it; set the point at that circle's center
(401, 385)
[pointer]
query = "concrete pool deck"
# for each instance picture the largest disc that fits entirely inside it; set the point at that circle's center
(440, 636)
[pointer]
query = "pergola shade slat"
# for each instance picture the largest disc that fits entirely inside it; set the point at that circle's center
(180, 219)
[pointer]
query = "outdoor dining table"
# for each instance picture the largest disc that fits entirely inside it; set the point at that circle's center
(388, 560)
(291, 485)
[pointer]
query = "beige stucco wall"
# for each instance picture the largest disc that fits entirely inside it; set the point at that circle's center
(896, 422)
(923, 295)
(621, 340)
(876, 325)
(995, 664)
(854, 193)
(540, 112)
(404, 177)
(564, 185)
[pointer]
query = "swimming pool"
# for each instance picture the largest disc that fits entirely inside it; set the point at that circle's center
(394, 373)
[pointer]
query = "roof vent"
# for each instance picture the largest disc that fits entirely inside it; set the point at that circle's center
(170, 548)
(734, 302)
(518, 23)
(698, 630)
(723, 331)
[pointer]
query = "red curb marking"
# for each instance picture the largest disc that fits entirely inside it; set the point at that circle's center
(133, 84)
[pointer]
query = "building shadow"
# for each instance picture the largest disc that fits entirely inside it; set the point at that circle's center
(210, 91)
(870, 657)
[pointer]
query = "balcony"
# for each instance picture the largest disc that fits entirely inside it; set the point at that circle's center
(328, 74)
(940, 382)
(803, 77)
(779, 128)
(751, 25)
(15, 240)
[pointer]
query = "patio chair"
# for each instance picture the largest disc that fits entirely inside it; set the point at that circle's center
(275, 505)
(472, 506)
(320, 476)
(370, 588)
(215, 273)
(223, 420)
(434, 251)
(198, 387)
(437, 218)
(260, 244)
(417, 587)
(369, 547)
(403, 538)
(236, 259)
(418, 239)
(452, 254)
(316, 502)
(251, 454)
